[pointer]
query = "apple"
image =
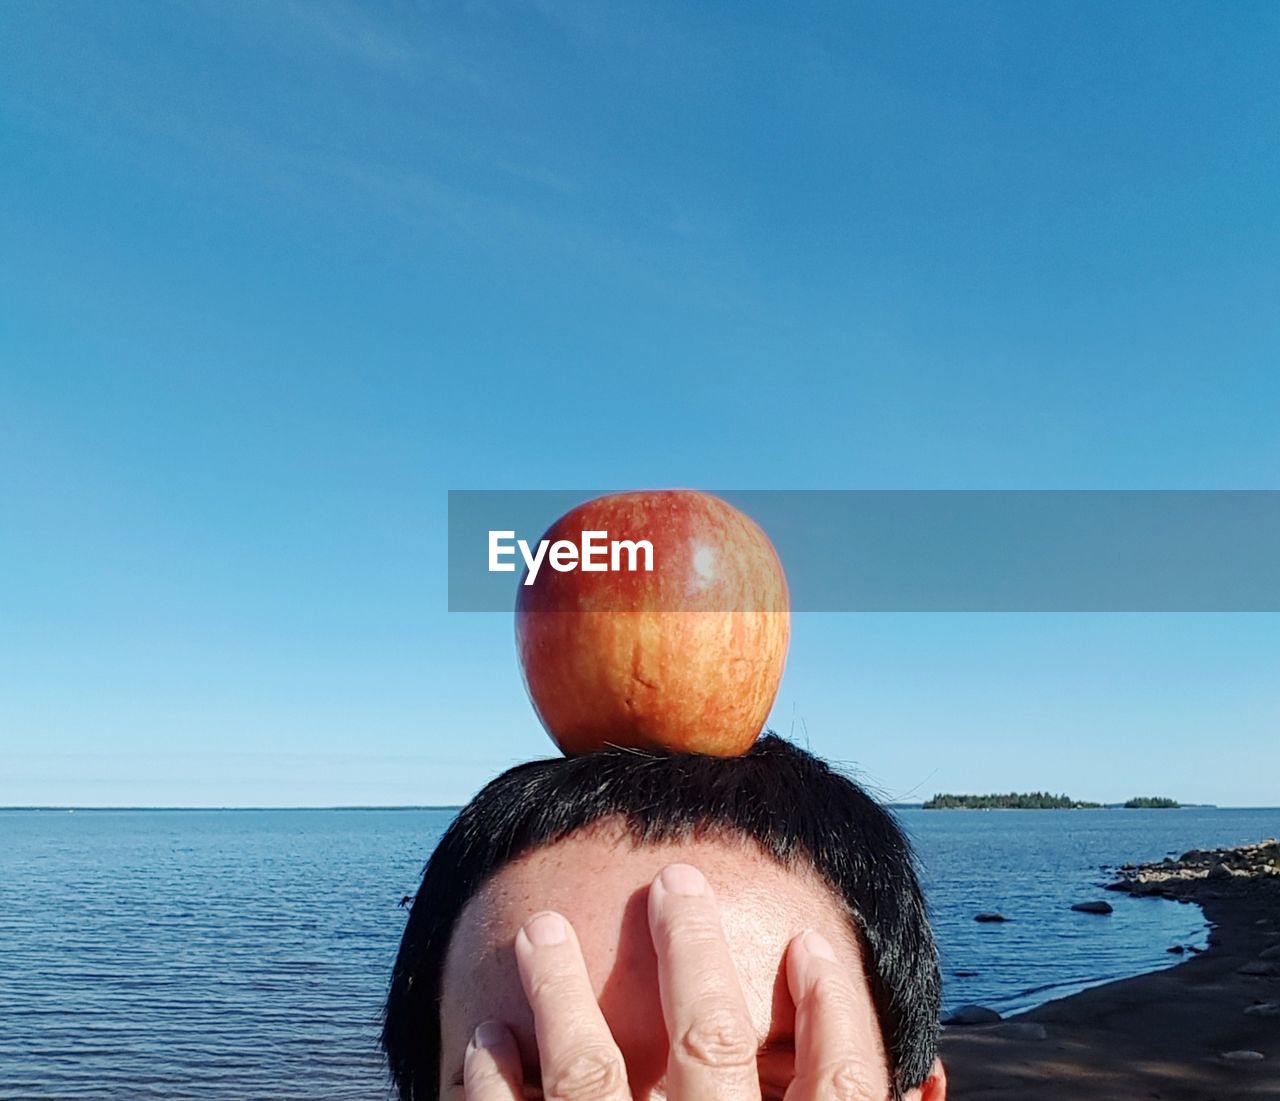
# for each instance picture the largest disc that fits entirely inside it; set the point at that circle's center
(686, 655)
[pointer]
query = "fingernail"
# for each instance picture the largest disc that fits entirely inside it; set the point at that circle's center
(545, 930)
(488, 1034)
(683, 879)
(818, 945)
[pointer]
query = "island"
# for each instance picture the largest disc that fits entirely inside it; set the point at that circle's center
(1042, 800)
(1033, 800)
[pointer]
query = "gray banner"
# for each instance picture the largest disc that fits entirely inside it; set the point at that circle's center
(952, 551)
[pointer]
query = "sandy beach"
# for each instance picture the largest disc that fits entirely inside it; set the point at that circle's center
(1192, 1032)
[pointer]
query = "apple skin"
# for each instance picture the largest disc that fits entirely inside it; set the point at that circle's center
(687, 657)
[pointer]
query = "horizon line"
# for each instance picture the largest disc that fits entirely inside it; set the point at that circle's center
(459, 806)
(211, 806)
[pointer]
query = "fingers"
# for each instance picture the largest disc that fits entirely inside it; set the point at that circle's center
(713, 1043)
(491, 1067)
(834, 1032)
(579, 1060)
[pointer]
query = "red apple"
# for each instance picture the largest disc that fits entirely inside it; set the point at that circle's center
(685, 656)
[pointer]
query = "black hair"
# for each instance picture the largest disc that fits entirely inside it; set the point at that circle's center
(791, 803)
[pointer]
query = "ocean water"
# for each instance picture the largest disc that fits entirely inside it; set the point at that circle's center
(245, 954)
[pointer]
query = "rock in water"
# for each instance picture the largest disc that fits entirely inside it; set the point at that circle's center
(1097, 907)
(990, 917)
(972, 1015)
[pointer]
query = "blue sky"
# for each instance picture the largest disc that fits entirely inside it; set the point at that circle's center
(279, 276)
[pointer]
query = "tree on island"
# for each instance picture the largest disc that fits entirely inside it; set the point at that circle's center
(1152, 802)
(1034, 800)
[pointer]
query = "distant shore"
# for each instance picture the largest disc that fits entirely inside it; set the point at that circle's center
(1193, 1032)
(1043, 800)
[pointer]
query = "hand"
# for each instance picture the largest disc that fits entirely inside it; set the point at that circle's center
(713, 1043)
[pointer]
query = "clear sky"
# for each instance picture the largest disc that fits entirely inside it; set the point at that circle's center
(277, 276)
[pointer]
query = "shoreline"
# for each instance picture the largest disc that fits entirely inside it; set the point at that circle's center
(1163, 1034)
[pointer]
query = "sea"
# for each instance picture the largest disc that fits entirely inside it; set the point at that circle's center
(244, 954)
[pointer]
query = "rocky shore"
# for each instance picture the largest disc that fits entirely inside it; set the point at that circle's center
(1205, 1030)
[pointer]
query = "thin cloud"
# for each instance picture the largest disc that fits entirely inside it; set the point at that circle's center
(349, 31)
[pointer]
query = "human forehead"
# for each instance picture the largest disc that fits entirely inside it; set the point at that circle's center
(599, 879)
(596, 872)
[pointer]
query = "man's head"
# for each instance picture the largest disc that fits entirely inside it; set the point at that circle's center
(786, 843)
